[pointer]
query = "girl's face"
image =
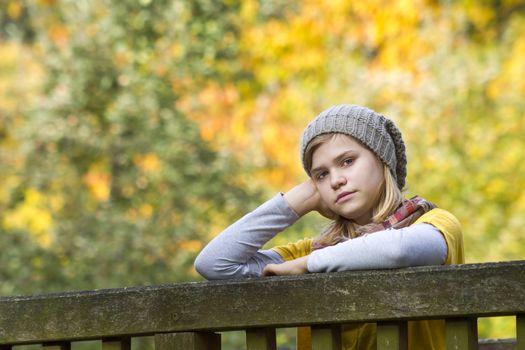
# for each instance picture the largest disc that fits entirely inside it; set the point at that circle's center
(348, 176)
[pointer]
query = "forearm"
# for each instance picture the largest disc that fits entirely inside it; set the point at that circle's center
(420, 244)
(235, 253)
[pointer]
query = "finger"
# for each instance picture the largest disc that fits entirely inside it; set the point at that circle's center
(268, 271)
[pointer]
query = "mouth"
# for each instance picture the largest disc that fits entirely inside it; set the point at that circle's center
(344, 196)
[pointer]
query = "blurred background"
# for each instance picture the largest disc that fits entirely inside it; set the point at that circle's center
(132, 132)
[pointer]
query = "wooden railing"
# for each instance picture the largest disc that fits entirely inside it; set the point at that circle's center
(188, 315)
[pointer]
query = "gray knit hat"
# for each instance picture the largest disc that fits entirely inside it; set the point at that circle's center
(375, 131)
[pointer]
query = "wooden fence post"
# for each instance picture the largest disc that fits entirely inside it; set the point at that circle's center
(57, 346)
(188, 341)
(261, 339)
(117, 344)
(520, 332)
(392, 336)
(326, 337)
(461, 333)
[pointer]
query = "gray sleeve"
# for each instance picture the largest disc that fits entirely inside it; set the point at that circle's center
(420, 244)
(235, 253)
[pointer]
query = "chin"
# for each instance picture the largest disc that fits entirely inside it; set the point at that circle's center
(345, 216)
(353, 217)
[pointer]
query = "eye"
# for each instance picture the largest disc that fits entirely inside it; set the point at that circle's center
(348, 161)
(321, 175)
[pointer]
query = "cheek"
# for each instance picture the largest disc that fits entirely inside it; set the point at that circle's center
(372, 176)
(325, 191)
(378, 177)
(377, 180)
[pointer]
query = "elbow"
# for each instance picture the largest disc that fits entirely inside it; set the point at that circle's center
(204, 266)
(212, 268)
(405, 256)
(199, 266)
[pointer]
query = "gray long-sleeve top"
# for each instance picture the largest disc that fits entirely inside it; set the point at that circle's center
(236, 252)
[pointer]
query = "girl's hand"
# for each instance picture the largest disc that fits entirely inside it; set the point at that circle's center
(304, 198)
(291, 267)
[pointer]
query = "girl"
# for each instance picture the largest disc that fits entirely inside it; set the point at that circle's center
(356, 162)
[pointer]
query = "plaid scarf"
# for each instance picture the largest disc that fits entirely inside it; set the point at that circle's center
(405, 215)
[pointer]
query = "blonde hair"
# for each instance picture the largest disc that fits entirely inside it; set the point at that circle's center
(390, 198)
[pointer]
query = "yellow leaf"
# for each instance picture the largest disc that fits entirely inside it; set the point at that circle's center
(146, 210)
(32, 215)
(14, 9)
(148, 162)
(190, 245)
(98, 184)
(59, 34)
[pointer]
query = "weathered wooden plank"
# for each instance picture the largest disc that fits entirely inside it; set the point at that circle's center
(520, 332)
(261, 339)
(392, 336)
(117, 344)
(413, 293)
(188, 341)
(326, 337)
(462, 334)
(497, 344)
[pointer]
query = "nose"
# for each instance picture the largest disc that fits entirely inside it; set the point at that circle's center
(337, 180)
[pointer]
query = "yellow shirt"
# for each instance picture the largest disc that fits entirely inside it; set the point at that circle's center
(421, 334)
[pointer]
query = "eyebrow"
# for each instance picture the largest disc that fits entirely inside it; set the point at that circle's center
(337, 159)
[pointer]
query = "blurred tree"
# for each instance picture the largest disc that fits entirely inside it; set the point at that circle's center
(109, 154)
(448, 72)
(117, 186)
(15, 21)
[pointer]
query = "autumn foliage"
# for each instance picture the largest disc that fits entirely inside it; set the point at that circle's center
(133, 132)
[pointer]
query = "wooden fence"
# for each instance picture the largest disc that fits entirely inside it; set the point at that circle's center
(189, 315)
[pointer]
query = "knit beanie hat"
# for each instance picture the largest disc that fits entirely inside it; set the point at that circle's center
(375, 131)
